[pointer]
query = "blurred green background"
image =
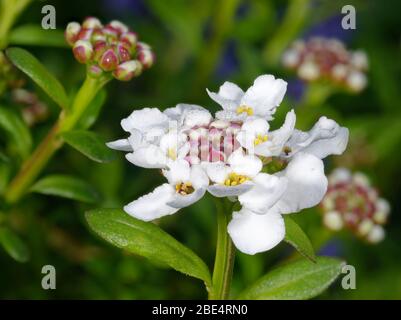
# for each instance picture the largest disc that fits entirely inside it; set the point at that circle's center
(201, 44)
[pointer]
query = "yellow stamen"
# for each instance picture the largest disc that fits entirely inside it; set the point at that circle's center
(260, 139)
(235, 179)
(184, 188)
(172, 153)
(247, 110)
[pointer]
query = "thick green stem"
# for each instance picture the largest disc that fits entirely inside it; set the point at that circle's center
(52, 142)
(9, 12)
(225, 255)
(294, 19)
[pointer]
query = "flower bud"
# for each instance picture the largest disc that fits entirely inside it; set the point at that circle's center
(131, 38)
(83, 51)
(85, 34)
(100, 47)
(95, 71)
(109, 60)
(127, 70)
(123, 53)
(98, 35)
(119, 26)
(146, 57)
(92, 23)
(71, 32)
(110, 32)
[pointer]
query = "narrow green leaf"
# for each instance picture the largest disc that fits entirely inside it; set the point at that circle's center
(13, 245)
(35, 35)
(90, 145)
(92, 112)
(66, 187)
(298, 280)
(28, 64)
(295, 236)
(16, 130)
(148, 240)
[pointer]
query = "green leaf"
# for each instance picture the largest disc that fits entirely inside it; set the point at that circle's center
(148, 240)
(92, 112)
(13, 245)
(298, 280)
(35, 35)
(90, 145)
(295, 236)
(66, 187)
(28, 64)
(16, 130)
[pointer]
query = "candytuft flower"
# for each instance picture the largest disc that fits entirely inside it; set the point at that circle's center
(352, 203)
(231, 156)
(322, 59)
(260, 100)
(111, 50)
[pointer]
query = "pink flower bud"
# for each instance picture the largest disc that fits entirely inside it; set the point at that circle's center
(83, 51)
(131, 38)
(109, 60)
(123, 53)
(127, 70)
(98, 35)
(95, 71)
(71, 32)
(146, 57)
(100, 47)
(92, 23)
(119, 26)
(85, 34)
(110, 32)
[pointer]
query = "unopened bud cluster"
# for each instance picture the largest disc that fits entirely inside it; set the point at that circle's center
(112, 48)
(320, 59)
(352, 203)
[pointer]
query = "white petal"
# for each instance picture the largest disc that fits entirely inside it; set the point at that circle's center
(153, 205)
(265, 94)
(277, 138)
(230, 91)
(307, 183)
(179, 201)
(148, 157)
(178, 171)
(220, 190)
(198, 178)
(253, 233)
(226, 104)
(247, 165)
(335, 145)
(256, 126)
(230, 115)
(121, 145)
(267, 191)
(144, 119)
(217, 171)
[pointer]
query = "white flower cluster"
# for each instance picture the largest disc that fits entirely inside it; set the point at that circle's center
(351, 202)
(227, 156)
(327, 59)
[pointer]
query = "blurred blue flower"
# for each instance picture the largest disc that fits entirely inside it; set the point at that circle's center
(296, 89)
(228, 63)
(333, 248)
(125, 7)
(330, 28)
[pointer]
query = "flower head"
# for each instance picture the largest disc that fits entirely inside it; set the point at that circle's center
(111, 49)
(232, 157)
(320, 59)
(352, 203)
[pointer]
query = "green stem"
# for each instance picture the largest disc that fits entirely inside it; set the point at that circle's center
(225, 255)
(294, 19)
(9, 12)
(52, 142)
(222, 23)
